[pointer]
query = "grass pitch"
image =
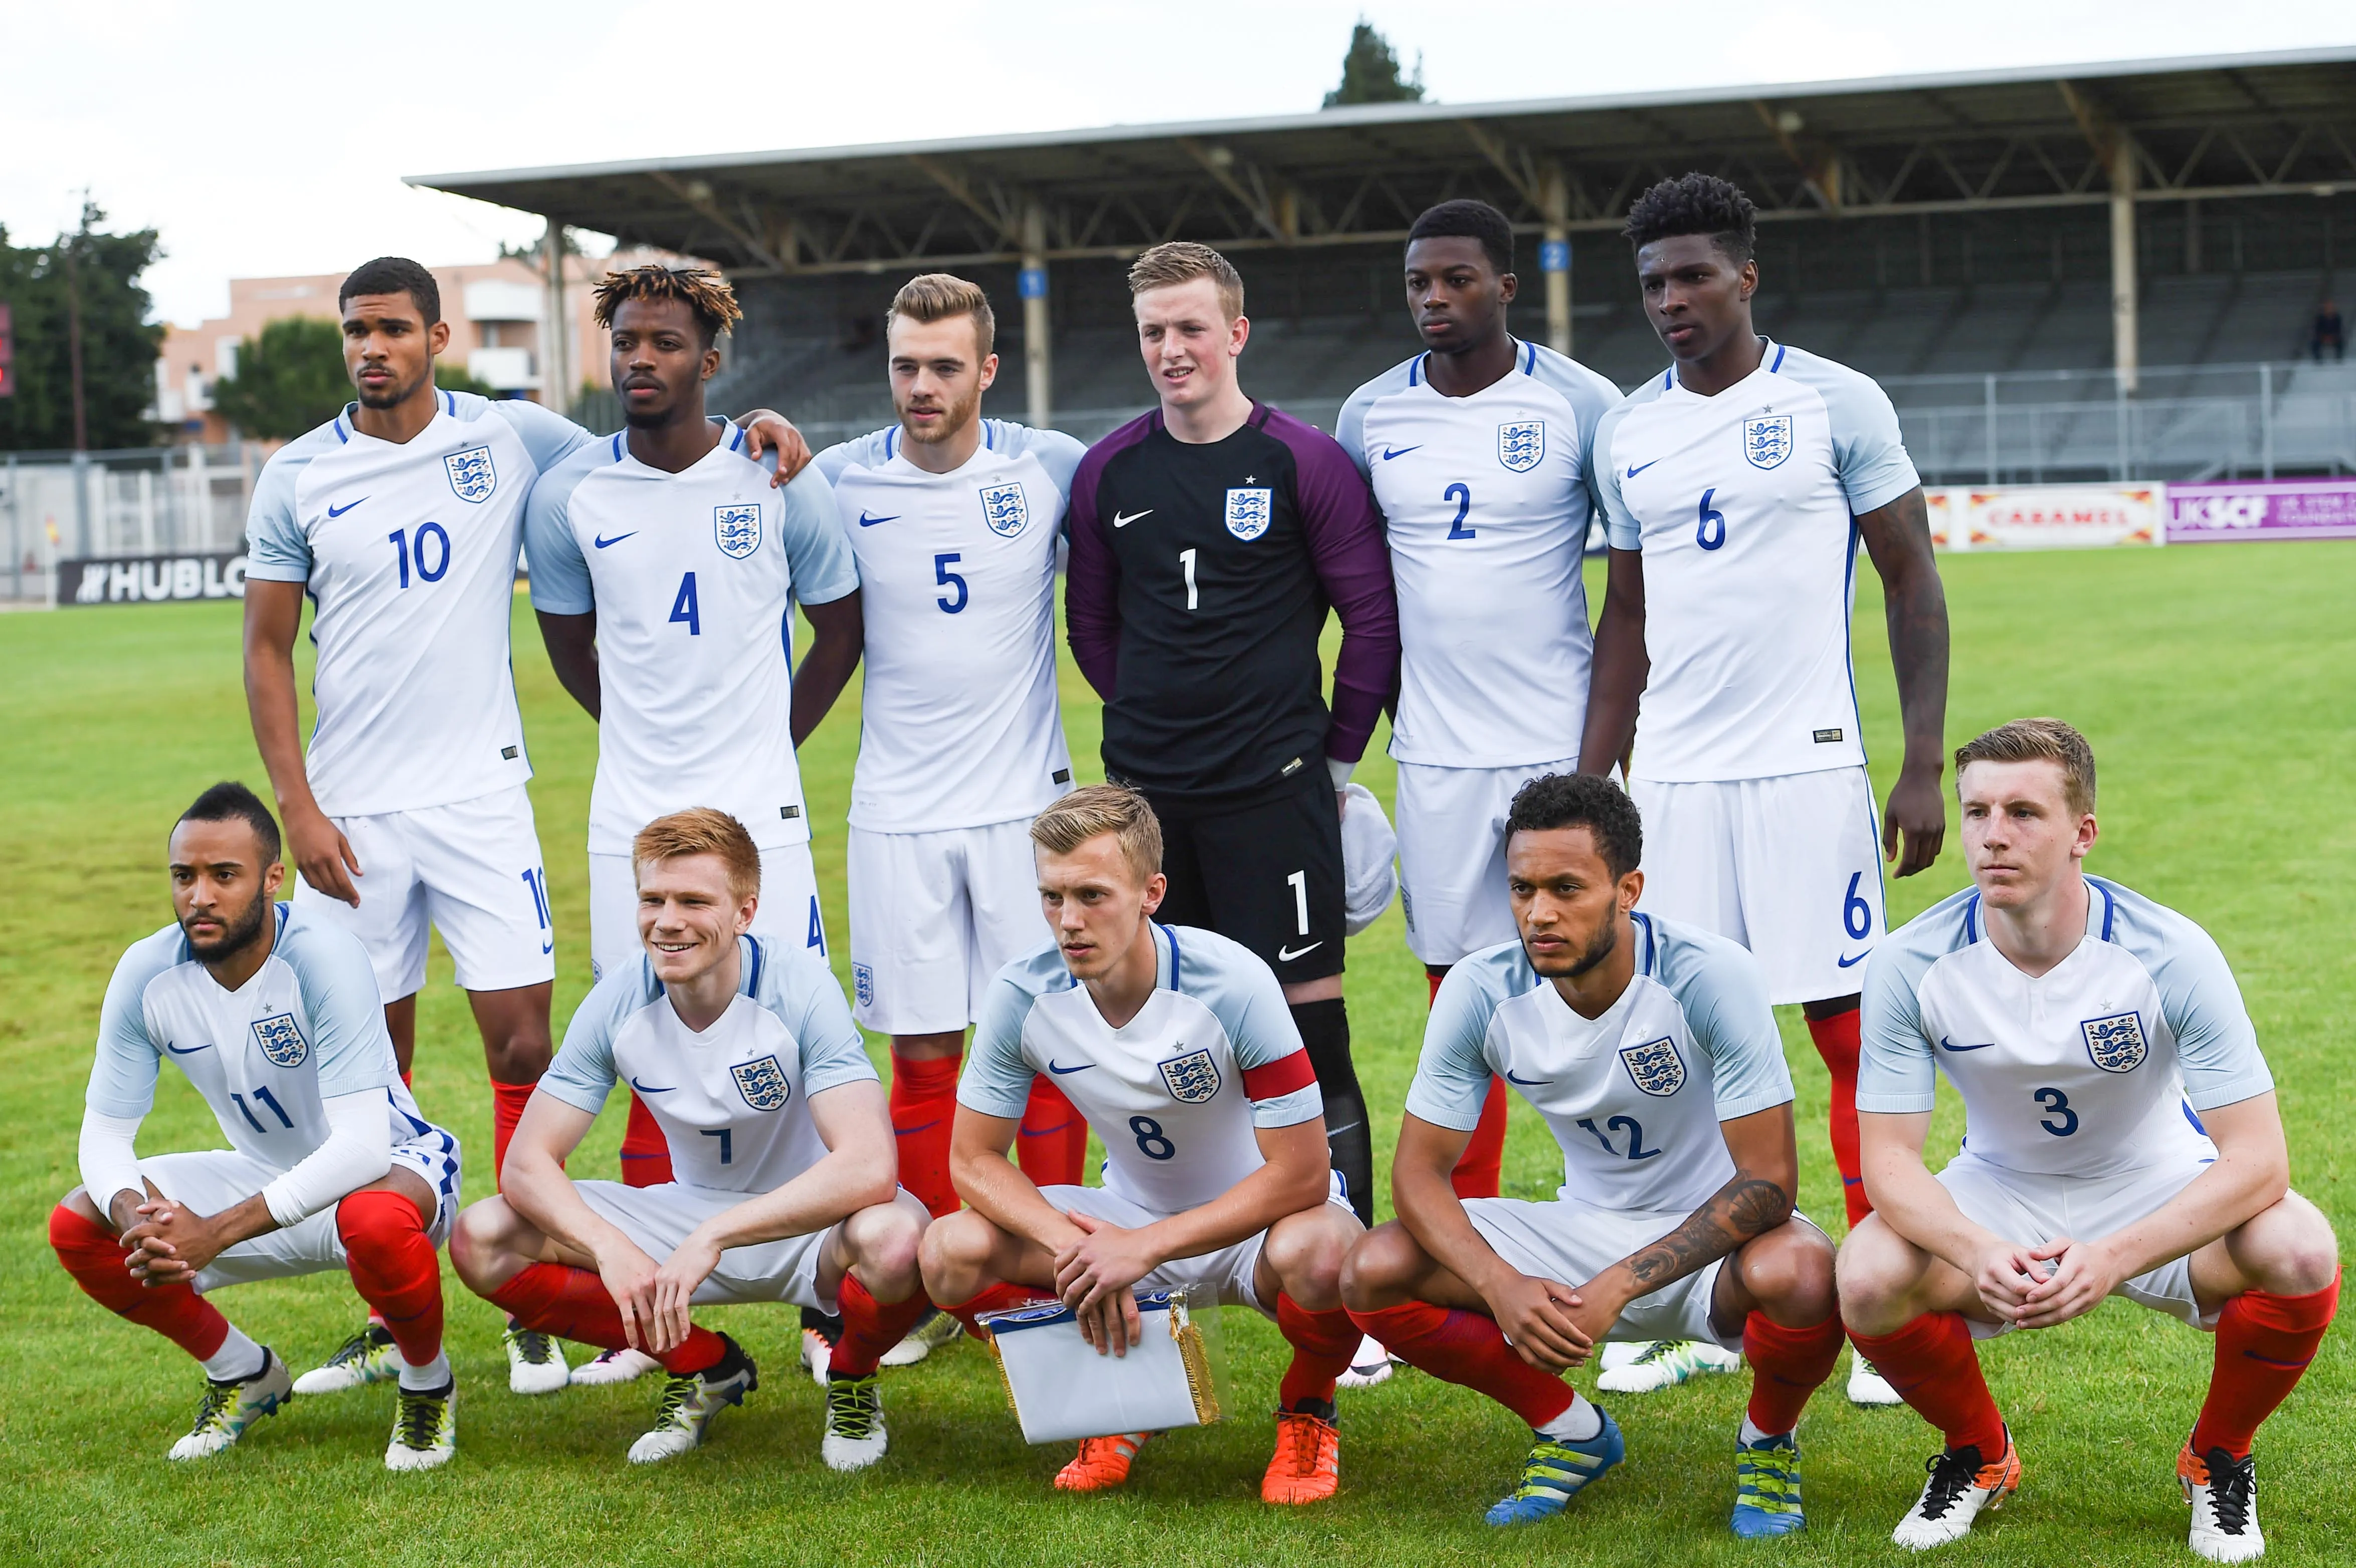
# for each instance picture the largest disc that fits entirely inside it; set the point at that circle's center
(2214, 682)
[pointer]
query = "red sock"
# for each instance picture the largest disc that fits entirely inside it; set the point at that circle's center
(572, 1303)
(1931, 1364)
(870, 1327)
(507, 1101)
(393, 1265)
(1482, 1167)
(646, 1152)
(1322, 1344)
(1435, 980)
(1836, 1042)
(1468, 1349)
(404, 1079)
(924, 1104)
(997, 1298)
(1053, 1149)
(1786, 1366)
(2264, 1342)
(95, 1259)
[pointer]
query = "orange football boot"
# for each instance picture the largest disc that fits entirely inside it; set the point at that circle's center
(1101, 1464)
(1307, 1465)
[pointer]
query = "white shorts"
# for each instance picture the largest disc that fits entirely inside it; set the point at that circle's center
(2033, 1209)
(1572, 1243)
(209, 1180)
(658, 1219)
(470, 870)
(1452, 853)
(1229, 1271)
(787, 913)
(1789, 868)
(934, 918)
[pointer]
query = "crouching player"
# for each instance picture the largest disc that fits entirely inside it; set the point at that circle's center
(1176, 1045)
(782, 1148)
(2120, 1138)
(273, 1016)
(1650, 1049)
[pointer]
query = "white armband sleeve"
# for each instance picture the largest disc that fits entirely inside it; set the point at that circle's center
(110, 1161)
(359, 1150)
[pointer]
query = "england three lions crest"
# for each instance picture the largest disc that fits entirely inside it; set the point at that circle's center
(1192, 1078)
(1248, 513)
(2115, 1043)
(737, 529)
(280, 1040)
(763, 1083)
(472, 474)
(1654, 1067)
(1767, 439)
(1521, 444)
(1004, 510)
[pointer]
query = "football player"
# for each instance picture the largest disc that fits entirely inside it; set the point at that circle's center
(1651, 1051)
(2120, 1138)
(1177, 1047)
(272, 1014)
(742, 1048)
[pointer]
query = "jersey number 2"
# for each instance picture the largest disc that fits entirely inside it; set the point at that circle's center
(1462, 496)
(684, 609)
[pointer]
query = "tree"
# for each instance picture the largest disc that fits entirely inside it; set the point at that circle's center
(94, 275)
(1370, 72)
(291, 378)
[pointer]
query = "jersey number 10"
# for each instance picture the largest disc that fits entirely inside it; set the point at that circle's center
(430, 567)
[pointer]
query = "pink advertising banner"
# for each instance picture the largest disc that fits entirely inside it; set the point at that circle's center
(2261, 509)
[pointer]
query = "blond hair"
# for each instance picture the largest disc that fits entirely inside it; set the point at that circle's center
(705, 293)
(1183, 261)
(1096, 808)
(941, 296)
(2038, 740)
(702, 831)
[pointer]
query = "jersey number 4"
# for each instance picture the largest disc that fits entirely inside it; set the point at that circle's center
(684, 609)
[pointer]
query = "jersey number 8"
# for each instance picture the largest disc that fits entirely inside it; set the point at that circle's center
(1149, 1141)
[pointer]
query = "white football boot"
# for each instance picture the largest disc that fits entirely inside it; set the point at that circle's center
(234, 1404)
(535, 1366)
(1960, 1489)
(854, 1420)
(690, 1400)
(424, 1428)
(1866, 1386)
(622, 1366)
(2223, 1492)
(818, 1355)
(937, 1332)
(1369, 1365)
(367, 1357)
(1665, 1363)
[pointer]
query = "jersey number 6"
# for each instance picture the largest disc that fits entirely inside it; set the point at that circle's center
(1710, 532)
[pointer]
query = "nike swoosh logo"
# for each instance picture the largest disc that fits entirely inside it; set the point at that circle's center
(192, 1051)
(1059, 1071)
(1636, 469)
(1118, 520)
(1390, 452)
(339, 510)
(1525, 1082)
(1945, 1044)
(1286, 955)
(601, 541)
(1851, 962)
(642, 1088)
(867, 522)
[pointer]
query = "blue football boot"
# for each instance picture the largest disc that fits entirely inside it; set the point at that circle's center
(1556, 1471)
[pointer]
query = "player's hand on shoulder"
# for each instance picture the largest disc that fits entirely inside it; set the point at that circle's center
(1541, 1319)
(2077, 1275)
(629, 1278)
(675, 1286)
(322, 854)
(764, 428)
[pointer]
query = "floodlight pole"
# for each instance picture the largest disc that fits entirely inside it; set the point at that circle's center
(556, 356)
(1032, 283)
(2126, 349)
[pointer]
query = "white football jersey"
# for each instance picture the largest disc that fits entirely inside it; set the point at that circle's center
(306, 1028)
(1744, 505)
(692, 577)
(2100, 1065)
(732, 1102)
(1176, 1093)
(1634, 1097)
(958, 724)
(1487, 503)
(408, 551)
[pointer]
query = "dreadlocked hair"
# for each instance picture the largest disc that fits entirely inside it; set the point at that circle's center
(1696, 204)
(703, 292)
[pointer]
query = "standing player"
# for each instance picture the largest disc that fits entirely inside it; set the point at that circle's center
(664, 571)
(1736, 486)
(400, 520)
(1209, 538)
(272, 1013)
(1651, 1050)
(953, 521)
(1176, 1046)
(2120, 1138)
(776, 1123)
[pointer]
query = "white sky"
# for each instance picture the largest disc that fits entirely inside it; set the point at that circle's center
(271, 138)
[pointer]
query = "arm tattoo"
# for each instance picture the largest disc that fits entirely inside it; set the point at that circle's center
(1743, 1207)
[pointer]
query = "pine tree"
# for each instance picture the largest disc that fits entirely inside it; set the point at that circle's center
(1370, 72)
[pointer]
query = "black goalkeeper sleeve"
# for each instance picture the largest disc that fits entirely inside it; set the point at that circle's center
(1325, 1029)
